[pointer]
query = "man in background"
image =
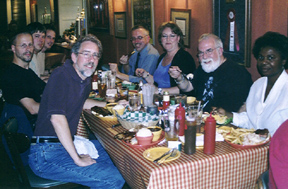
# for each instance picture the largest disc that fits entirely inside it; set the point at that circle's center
(50, 37)
(144, 56)
(38, 32)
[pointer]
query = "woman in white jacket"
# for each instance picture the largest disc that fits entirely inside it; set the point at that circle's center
(267, 102)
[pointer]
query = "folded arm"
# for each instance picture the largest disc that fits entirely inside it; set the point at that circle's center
(31, 105)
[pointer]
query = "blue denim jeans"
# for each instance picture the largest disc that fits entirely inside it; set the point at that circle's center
(51, 161)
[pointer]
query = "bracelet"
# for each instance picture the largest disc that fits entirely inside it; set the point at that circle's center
(181, 81)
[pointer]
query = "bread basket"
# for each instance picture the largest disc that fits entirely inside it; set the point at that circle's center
(129, 124)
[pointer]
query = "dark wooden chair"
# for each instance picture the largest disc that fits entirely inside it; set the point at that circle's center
(18, 143)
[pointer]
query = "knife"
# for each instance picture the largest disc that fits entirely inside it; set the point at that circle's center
(165, 154)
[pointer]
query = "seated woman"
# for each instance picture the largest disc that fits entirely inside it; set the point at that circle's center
(267, 103)
(171, 39)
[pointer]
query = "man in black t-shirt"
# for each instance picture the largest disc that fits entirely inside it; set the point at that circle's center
(218, 82)
(20, 85)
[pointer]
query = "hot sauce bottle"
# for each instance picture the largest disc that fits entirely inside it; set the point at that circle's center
(166, 100)
(209, 135)
(180, 116)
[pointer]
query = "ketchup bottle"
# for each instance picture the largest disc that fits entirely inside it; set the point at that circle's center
(180, 116)
(209, 135)
(166, 100)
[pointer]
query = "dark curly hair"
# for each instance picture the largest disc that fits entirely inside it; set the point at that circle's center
(175, 29)
(274, 40)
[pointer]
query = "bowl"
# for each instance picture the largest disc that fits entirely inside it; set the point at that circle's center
(144, 140)
(131, 87)
(156, 131)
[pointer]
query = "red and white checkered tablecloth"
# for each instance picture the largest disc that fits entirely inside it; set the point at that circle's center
(227, 168)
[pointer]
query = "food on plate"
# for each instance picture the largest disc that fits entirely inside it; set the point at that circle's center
(127, 136)
(241, 136)
(220, 119)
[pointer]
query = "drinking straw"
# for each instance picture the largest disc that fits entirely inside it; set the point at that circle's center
(199, 104)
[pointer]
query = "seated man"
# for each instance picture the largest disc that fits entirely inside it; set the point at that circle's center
(64, 98)
(145, 56)
(218, 82)
(49, 38)
(20, 85)
(38, 33)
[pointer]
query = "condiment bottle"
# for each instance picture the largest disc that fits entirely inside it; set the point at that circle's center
(95, 81)
(180, 116)
(209, 135)
(166, 100)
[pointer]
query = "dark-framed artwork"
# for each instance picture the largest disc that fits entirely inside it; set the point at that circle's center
(143, 14)
(182, 18)
(120, 24)
(232, 23)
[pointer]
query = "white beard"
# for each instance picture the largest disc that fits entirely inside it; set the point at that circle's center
(210, 67)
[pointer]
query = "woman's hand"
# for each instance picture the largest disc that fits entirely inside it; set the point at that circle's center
(175, 72)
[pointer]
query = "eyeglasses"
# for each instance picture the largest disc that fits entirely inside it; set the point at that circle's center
(88, 55)
(172, 36)
(138, 37)
(24, 46)
(207, 52)
(270, 58)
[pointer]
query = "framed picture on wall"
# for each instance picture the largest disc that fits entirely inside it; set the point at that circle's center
(120, 25)
(232, 23)
(182, 18)
(143, 14)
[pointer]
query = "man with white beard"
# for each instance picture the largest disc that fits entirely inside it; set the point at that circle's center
(218, 82)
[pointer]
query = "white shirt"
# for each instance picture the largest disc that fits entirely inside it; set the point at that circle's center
(269, 114)
(37, 63)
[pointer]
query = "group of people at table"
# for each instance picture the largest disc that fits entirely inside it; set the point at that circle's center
(218, 82)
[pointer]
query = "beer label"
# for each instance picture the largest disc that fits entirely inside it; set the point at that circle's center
(94, 85)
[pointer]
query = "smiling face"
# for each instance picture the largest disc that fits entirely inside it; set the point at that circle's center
(209, 55)
(39, 40)
(86, 61)
(140, 39)
(269, 62)
(49, 40)
(23, 48)
(169, 40)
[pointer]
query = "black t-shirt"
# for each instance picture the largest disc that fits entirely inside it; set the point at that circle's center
(227, 87)
(18, 83)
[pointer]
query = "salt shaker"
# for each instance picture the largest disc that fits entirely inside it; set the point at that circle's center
(209, 135)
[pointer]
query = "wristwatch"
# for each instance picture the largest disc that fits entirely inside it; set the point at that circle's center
(182, 79)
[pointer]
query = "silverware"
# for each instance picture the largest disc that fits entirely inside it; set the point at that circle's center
(165, 154)
(173, 154)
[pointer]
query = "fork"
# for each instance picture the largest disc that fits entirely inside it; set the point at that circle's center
(173, 154)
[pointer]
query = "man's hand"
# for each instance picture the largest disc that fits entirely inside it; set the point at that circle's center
(84, 160)
(114, 67)
(175, 72)
(124, 59)
(139, 72)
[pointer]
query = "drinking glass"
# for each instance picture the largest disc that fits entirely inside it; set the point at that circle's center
(171, 127)
(134, 101)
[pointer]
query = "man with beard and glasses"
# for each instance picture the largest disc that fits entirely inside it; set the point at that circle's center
(218, 82)
(38, 32)
(144, 56)
(65, 96)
